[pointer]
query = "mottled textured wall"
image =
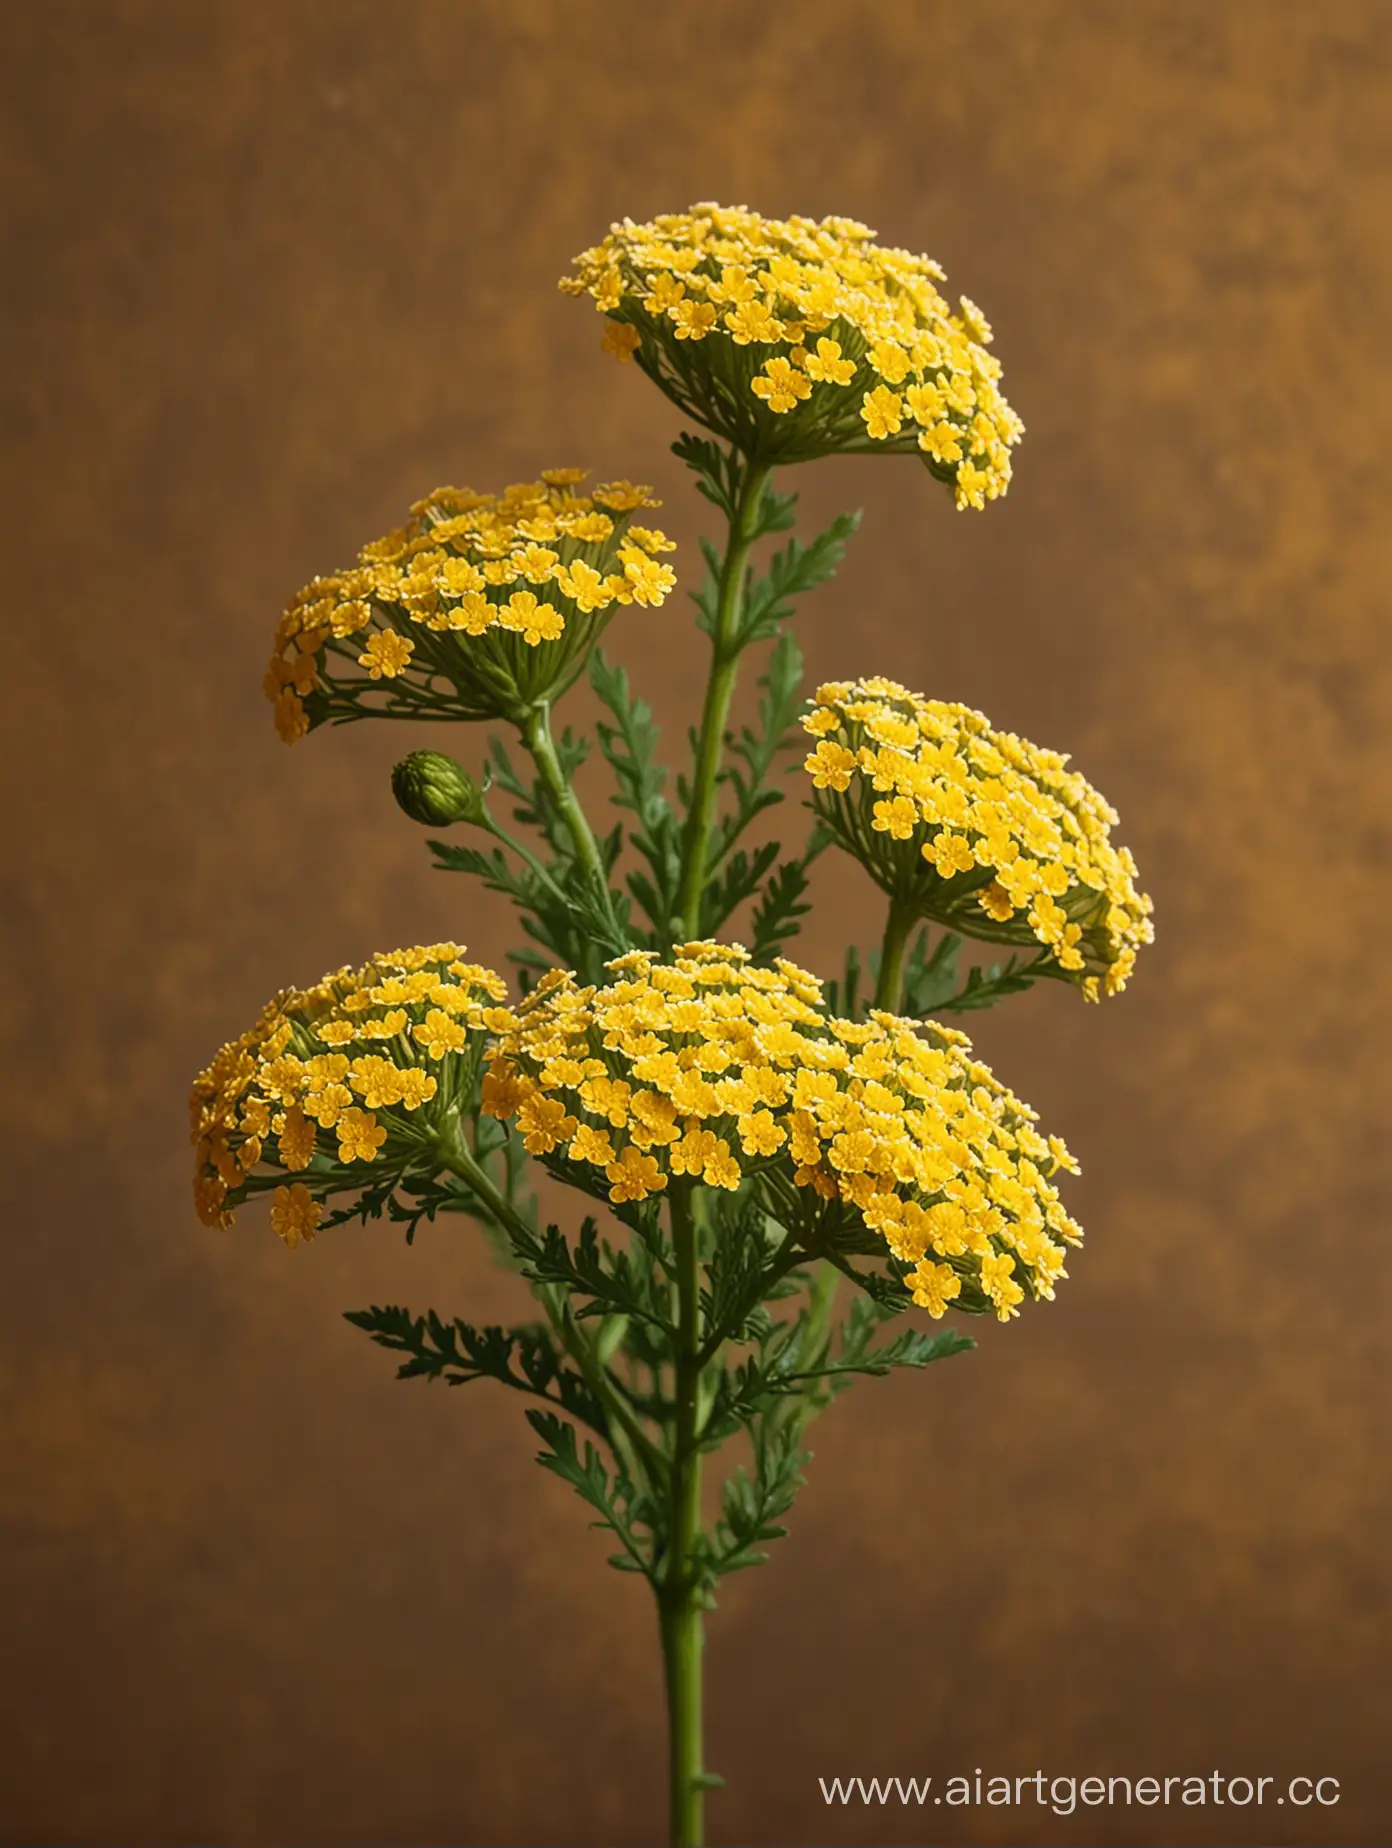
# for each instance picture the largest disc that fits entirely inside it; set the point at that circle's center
(271, 270)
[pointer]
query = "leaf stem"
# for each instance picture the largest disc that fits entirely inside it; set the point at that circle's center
(724, 668)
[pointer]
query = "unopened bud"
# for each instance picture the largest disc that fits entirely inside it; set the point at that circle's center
(436, 791)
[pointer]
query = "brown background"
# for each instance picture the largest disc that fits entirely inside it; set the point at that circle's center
(274, 270)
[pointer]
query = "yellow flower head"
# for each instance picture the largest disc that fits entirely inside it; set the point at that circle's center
(800, 338)
(979, 829)
(364, 1068)
(480, 607)
(885, 1135)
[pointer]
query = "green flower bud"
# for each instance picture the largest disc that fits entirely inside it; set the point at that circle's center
(436, 791)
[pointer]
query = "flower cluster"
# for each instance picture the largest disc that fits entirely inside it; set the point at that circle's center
(480, 606)
(977, 828)
(803, 338)
(366, 1067)
(709, 1069)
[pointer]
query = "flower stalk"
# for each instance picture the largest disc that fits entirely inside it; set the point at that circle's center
(726, 648)
(899, 923)
(536, 735)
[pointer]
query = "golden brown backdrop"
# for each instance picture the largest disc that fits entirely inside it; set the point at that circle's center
(273, 270)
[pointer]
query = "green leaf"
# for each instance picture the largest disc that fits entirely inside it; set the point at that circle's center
(509, 779)
(754, 1502)
(984, 988)
(932, 984)
(612, 1281)
(406, 1199)
(569, 916)
(719, 472)
(782, 904)
(736, 1269)
(522, 1358)
(929, 981)
(623, 1509)
(791, 573)
(915, 1347)
(493, 868)
(754, 752)
(886, 1291)
(727, 889)
(843, 997)
(776, 512)
(629, 747)
(707, 596)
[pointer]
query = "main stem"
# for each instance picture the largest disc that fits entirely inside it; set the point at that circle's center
(719, 688)
(679, 1595)
(898, 929)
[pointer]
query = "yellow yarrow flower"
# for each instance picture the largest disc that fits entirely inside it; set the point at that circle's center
(295, 1213)
(386, 654)
(362, 1070)
(620, 340)
(978, 829)
(882, 411)
(781, 385)
(800, 338)
(706, 1070)
(482, 606)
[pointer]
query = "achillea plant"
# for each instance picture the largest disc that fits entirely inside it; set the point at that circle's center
(744, 1139)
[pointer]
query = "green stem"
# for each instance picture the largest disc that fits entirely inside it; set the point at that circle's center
(681, 1656)
(536, 735)
(719, 689)
(679, 1595)
(898, 929)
